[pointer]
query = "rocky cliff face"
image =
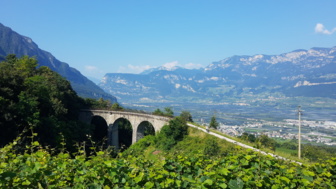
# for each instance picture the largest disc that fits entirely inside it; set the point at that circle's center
(14, 43)
(299, 73)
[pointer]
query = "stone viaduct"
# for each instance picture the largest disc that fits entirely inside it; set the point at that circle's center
(137, 121)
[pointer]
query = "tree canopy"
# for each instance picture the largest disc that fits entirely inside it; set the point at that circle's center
(38, 99)
(167, 112)
(186, 116)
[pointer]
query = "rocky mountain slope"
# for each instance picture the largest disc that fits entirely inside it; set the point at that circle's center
(14, 43)
(309, 73)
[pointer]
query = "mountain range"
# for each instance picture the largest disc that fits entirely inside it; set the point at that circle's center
(13, 43)
(307, 73)
(303, 73)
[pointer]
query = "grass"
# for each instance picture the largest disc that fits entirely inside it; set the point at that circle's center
(279, 152)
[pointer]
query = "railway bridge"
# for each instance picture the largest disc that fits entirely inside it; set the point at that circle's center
(137, 120)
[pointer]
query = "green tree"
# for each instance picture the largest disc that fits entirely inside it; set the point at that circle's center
(39, 99)
(213, 123)
(102, 104)
(116, 107)
(149, 129)
(211, 147)
(172, 133)
(265, 141)
(248, 137)
(169, 112)
(186, 116)
(158, 112)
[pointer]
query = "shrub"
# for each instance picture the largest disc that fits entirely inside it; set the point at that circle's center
(172, 133)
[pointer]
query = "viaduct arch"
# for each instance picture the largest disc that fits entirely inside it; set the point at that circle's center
(136, 120)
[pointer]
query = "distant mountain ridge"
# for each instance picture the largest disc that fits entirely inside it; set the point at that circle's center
(310, 73)
(14, 43)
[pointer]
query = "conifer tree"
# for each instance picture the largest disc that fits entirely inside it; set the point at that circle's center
(213, 123)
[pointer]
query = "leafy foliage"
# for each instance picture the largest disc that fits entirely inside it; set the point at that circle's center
(310, 152)
(211, 147)
(167, 112)
(38, 98)
(172, 133)
(248, 137)
(314, 153)
(102, 104)
(239, 169)
(186, 116)
(267, 142)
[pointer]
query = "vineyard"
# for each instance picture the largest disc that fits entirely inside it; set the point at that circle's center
(238, 169)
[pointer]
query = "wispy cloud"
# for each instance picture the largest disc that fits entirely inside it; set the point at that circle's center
(319, 28)
(176, 63)
(133, 69)
(193, 66)
(93, 70)
(138, 69)
(170, 64)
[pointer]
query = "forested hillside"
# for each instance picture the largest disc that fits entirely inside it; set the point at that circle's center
(14, 43)
(38, 99)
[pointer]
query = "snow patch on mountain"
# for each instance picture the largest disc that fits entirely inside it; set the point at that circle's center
(188, 88)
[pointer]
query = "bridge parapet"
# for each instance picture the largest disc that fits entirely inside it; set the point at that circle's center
(151, 116)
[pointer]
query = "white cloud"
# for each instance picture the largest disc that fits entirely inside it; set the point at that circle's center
(92, 71)
(319, 28)
(176, 63)
(138, 69)
(193, 66)
(170, 64)
(133, 69)
(91, 68)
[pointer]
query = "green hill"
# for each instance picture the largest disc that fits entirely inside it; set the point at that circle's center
(196, 160)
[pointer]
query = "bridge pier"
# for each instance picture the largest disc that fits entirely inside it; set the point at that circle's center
(113, 135)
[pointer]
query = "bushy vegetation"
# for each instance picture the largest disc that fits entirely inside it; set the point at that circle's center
(172, 133)
(309, 152)
(238, 168)
(38, 98)
(186, 116)
(167, 112)
(102, 104)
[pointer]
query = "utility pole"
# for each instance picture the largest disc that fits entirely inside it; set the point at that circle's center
(299, 147)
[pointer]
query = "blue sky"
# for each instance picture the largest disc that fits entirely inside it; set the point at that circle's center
(109, 36)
